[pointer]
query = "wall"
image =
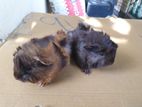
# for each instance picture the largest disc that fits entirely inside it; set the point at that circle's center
(13, 11)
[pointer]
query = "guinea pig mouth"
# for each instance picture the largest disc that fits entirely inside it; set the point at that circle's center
(26, 78)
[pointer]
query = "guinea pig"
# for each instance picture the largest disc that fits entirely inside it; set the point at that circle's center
(90, 48)
(40, 59)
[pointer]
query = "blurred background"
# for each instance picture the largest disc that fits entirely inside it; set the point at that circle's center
(13, 11)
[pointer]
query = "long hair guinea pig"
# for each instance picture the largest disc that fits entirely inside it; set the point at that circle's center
(90, 48)
(40, 60)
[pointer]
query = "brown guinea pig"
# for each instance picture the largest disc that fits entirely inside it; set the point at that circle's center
(40, 60)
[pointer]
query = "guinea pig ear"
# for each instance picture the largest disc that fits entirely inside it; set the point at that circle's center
(41, 62)
(61, 37)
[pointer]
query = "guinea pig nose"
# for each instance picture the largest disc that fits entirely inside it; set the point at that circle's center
(25, 78)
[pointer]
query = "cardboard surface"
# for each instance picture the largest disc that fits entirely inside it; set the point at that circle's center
(118, 85)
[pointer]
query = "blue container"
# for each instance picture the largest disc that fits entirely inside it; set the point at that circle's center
(100, 8)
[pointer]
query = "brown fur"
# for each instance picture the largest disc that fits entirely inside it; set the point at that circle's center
(40, 60)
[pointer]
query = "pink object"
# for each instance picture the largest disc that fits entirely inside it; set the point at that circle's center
(68, 7)
(74, 8)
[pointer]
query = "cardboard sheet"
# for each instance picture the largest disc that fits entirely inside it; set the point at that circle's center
(118, 85)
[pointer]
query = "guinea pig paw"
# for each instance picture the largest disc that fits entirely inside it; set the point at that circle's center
(42, 84)
(39, 84)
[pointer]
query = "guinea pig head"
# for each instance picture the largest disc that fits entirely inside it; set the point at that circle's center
(102, 49)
